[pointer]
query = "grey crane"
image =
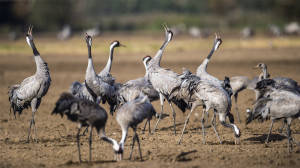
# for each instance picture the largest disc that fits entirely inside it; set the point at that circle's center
(133, 88)
(30, 92)
(282, 82)
(275, 103)
(85, 113)
(80, 90)
(239, 83)
(130, 115)
(202, 69)
(209, 83)
(98, 86)
(209, 95)
(163, 80)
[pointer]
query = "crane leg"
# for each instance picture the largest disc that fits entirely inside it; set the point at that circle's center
(185, 123)
(34, 106)
(288, 133)
(174, 116)
(202, 122)
(145, 126)
(133, 142)
(85, 130)
(161, 111)
(78, 145)
(213, 123)
(149, 126)
(283, 125)
(236, 107)
(90, 143)
(267, 140)
(138, 141)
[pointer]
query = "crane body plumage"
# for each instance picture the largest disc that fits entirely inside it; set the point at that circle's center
(102, 87)
(130, 115)
(80, 90)
(85, 113)
(30, 92)
(275, 103)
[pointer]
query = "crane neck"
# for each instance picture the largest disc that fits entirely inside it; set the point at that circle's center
(203, 67)
(123, 139)
(32, 45)
(90, 67)
(113, 142)
(41, 66)
(107, 68)
(265, 73)
(157, 58)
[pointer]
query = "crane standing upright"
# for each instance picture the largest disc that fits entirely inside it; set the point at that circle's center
(30, 92)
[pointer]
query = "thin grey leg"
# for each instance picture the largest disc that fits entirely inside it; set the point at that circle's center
(267, 140)
(185, 123)
(203, 127)
(161, 111)
(236, 107)
(133, 141)
(90, 143)
(138, 141)
(145, 126)
(174, 116)
(213, 123)
(78, 145)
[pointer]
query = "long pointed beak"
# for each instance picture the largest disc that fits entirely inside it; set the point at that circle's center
(256, 67)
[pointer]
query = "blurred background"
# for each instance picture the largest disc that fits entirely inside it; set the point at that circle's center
(197, 18)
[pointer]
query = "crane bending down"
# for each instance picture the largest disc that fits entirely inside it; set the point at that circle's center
(30, 92)
(80, 90)
(85, 113)
(130, 115)
(163, 80)
(276, 103)
(98, 86)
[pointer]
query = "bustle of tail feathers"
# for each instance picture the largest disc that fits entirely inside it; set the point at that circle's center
(227, 86)
(12, 98)
(64, 102)
(265, 83)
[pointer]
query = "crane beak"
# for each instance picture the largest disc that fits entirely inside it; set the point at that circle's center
(256, 67)
(30, 29)
(121, 45)
(165, 26)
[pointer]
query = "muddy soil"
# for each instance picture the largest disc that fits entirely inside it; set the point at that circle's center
(57, 142)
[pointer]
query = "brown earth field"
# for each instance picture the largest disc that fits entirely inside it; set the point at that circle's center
(67, 61)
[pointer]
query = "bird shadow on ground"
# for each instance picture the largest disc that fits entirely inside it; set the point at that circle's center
(262, 138)
(182, 156)
(171, 127)
(87, 163)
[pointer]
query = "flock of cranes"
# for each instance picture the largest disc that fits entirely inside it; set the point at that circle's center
(277, 98)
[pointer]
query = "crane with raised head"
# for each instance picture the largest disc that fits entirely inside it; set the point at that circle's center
(30, 92)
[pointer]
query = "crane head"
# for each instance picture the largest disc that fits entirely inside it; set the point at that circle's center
(146, 60)
(218, 41)
(29, 36)
(260, 66)
(119, 150)
(169, 33)
(116, 43)
(88, 38)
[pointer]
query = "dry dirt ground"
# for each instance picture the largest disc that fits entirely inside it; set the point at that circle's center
(57, 142)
